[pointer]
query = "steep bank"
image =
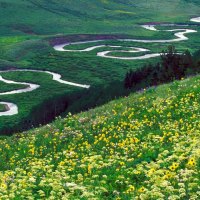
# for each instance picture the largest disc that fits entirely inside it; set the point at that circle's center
(131, 148)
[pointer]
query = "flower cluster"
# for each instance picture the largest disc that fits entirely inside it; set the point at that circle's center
(145, 146)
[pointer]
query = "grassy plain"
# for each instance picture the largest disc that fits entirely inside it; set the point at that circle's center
(41, 17)
(26, 42)
(9, 87)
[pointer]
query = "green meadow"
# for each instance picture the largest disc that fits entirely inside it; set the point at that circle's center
(130, 148)
(41, 17)
(28, 34)
(105, 142)
(2, 108)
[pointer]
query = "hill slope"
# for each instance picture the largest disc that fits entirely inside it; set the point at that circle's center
(145, 146)
(75, 16)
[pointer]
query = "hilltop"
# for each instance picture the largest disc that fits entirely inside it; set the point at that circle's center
(145, 146)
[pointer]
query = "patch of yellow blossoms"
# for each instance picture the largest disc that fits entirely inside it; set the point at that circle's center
(143, 147)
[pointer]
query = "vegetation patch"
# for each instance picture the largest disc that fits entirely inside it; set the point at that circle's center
(27, 44)
(2, 108)
(173, 66)
(131, 148)
(10, 87)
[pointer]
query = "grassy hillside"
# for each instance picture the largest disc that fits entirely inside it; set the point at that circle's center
(86, 16)
(145, 146)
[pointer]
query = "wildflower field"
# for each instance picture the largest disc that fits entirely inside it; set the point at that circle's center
(145, 146)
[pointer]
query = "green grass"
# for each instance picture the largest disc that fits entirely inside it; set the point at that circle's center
(128, 149)
(28, 102)
(80, 67)
(26, 35)
(42, 17)
(10, 87)
(2, 108)
(145, 146)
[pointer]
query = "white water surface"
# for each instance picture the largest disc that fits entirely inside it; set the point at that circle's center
(180, 35)
(12, 109)
(196, 19)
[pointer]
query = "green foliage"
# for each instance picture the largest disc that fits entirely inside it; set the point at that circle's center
(173, 66)
(7, 88)
(2, 108)
(32, 27)
(41, 17)
(122, 150)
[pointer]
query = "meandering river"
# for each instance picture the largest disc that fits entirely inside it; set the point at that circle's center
(12, 109)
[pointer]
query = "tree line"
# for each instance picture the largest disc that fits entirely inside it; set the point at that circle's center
(173, 66)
